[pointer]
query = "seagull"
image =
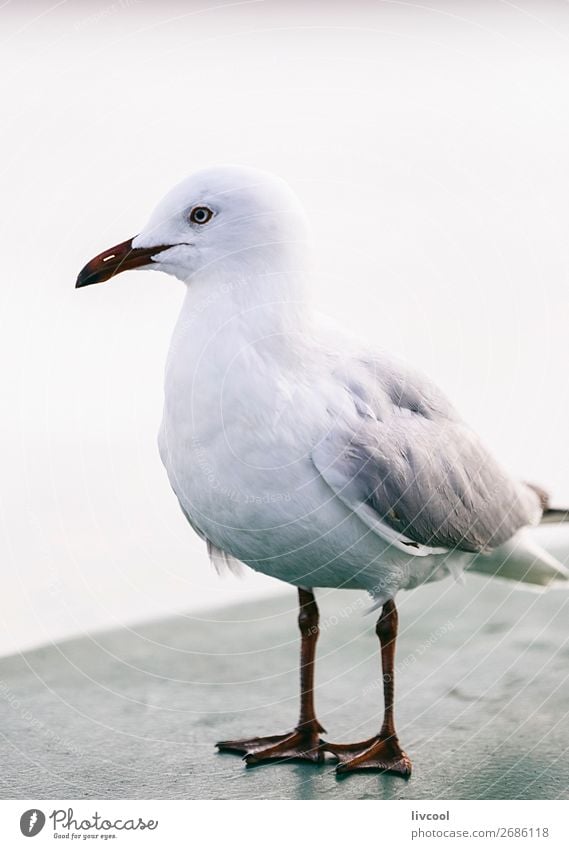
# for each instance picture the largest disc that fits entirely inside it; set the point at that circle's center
(305, 454)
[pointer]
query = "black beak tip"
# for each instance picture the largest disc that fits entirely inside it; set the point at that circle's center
(87, 276)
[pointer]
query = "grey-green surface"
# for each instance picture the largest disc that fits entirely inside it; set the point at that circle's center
(482, 701)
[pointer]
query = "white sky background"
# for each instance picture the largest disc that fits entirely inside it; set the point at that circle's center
(431, 148)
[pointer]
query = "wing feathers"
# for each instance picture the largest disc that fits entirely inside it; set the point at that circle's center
(421, 480)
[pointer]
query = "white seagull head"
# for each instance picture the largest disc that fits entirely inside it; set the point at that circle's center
(217, 221)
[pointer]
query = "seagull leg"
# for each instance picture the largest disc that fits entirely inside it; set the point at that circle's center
(304, 742)
(383, 751)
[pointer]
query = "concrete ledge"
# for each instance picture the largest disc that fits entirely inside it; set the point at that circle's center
(482, 701)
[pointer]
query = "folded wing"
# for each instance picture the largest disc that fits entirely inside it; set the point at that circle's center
(417, 475)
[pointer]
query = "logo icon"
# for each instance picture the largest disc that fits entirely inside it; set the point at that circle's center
(32, 822)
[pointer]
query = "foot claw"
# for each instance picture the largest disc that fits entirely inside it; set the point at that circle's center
(244, 747)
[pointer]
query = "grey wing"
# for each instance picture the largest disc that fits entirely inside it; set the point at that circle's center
(418, 476)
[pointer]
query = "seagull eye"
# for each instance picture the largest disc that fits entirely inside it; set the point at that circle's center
(200, 215)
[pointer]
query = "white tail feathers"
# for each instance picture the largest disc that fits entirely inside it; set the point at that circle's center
(522, 559)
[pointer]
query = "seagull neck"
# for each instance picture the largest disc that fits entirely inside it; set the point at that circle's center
(252, 306)
(232, 347)
(235, 350)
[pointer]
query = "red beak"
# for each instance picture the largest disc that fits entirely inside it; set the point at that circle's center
(120, 258)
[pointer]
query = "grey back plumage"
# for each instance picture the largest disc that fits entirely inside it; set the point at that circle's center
(413, 471)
